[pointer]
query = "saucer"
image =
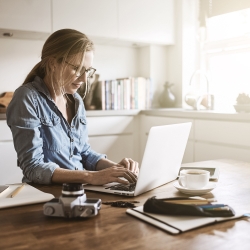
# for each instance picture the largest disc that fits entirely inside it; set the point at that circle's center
(210, 186)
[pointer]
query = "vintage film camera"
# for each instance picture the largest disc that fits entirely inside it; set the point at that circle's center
(72, 203)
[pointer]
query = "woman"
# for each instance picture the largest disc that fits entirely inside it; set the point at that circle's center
(48, 119)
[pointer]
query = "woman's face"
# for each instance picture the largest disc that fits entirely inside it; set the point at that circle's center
(71, 82)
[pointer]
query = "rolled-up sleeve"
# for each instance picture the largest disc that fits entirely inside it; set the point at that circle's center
(90, 157)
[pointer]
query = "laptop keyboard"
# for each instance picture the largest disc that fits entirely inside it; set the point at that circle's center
(121, 187)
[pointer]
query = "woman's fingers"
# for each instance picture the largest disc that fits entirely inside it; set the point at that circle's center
(130, 164)
(125, 173)
(116, 173)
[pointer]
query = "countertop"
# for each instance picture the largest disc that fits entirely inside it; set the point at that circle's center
(2, 116)
(230, 115)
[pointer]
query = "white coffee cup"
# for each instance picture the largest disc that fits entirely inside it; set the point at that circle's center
(194, 178)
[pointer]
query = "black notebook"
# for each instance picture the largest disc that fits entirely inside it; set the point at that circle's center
(179, 219)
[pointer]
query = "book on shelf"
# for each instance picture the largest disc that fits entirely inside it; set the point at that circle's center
(107, 95)
(123, 94)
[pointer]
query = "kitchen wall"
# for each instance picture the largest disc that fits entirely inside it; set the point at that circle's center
(17, 57)
(183, 56)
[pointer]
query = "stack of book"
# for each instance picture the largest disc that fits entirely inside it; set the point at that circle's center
(123, 94)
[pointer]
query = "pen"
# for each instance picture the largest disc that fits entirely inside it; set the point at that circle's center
(16, 191)
(212, 206)
(188, 202)
(218, 208)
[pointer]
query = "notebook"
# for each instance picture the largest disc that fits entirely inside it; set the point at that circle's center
(161, 160)
(3, 188)
(177, 224)
(27, 195)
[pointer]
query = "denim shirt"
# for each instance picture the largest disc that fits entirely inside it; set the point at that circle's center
(43, 139)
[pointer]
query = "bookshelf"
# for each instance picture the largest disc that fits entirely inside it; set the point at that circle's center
(120, 94)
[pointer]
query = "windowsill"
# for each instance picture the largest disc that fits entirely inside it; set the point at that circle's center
(226, 115)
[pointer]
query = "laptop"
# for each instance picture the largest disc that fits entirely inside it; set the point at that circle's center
(160, 164)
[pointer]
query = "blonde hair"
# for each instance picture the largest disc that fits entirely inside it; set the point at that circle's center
(60, 45)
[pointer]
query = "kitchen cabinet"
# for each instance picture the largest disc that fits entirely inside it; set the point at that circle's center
(211, 151)
(115, 136)
(9, 172)
(24, 15)
(223, 132)
(209, 139)
(122, 135)
(142, 21)
(146, 122)
(221, 139)
(150, 21)
(95, 18)
(116, 147)
(109, 21)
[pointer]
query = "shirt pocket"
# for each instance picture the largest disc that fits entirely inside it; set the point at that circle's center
(83, 130)
(52, 133)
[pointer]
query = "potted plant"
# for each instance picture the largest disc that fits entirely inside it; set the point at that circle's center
(242, 103)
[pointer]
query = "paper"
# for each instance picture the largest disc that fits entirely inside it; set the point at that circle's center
(28, 195)
(3, 188)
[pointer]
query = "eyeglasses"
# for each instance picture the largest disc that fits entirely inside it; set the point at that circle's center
(89, 72)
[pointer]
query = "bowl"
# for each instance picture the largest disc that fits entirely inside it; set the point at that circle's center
(242, 108)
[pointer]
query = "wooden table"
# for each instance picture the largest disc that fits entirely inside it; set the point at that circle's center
(26, 227)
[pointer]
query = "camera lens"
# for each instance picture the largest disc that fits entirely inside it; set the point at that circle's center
(72, 189)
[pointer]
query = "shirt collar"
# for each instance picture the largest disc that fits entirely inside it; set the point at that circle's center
(40, 85)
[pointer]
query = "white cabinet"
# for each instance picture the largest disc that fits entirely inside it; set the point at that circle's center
(121, 136)
(142, 21)
(115, 136)
(115, 21)
(211, 151)
(94, 18)
(225, 132)
(150, 21)
(116, 147)
(146, 122)
(9, 172)
(222, 139)
(208, 139)
(25, 15)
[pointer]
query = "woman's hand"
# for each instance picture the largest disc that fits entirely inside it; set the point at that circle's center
(130, 164)
(112, 174)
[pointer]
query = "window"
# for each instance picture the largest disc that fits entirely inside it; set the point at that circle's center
(226, 56)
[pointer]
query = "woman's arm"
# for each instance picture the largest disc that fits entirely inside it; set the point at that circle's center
(104, 176)
(128, 163)
(25, 125)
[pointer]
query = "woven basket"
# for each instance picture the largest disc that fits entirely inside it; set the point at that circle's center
(5, 100)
